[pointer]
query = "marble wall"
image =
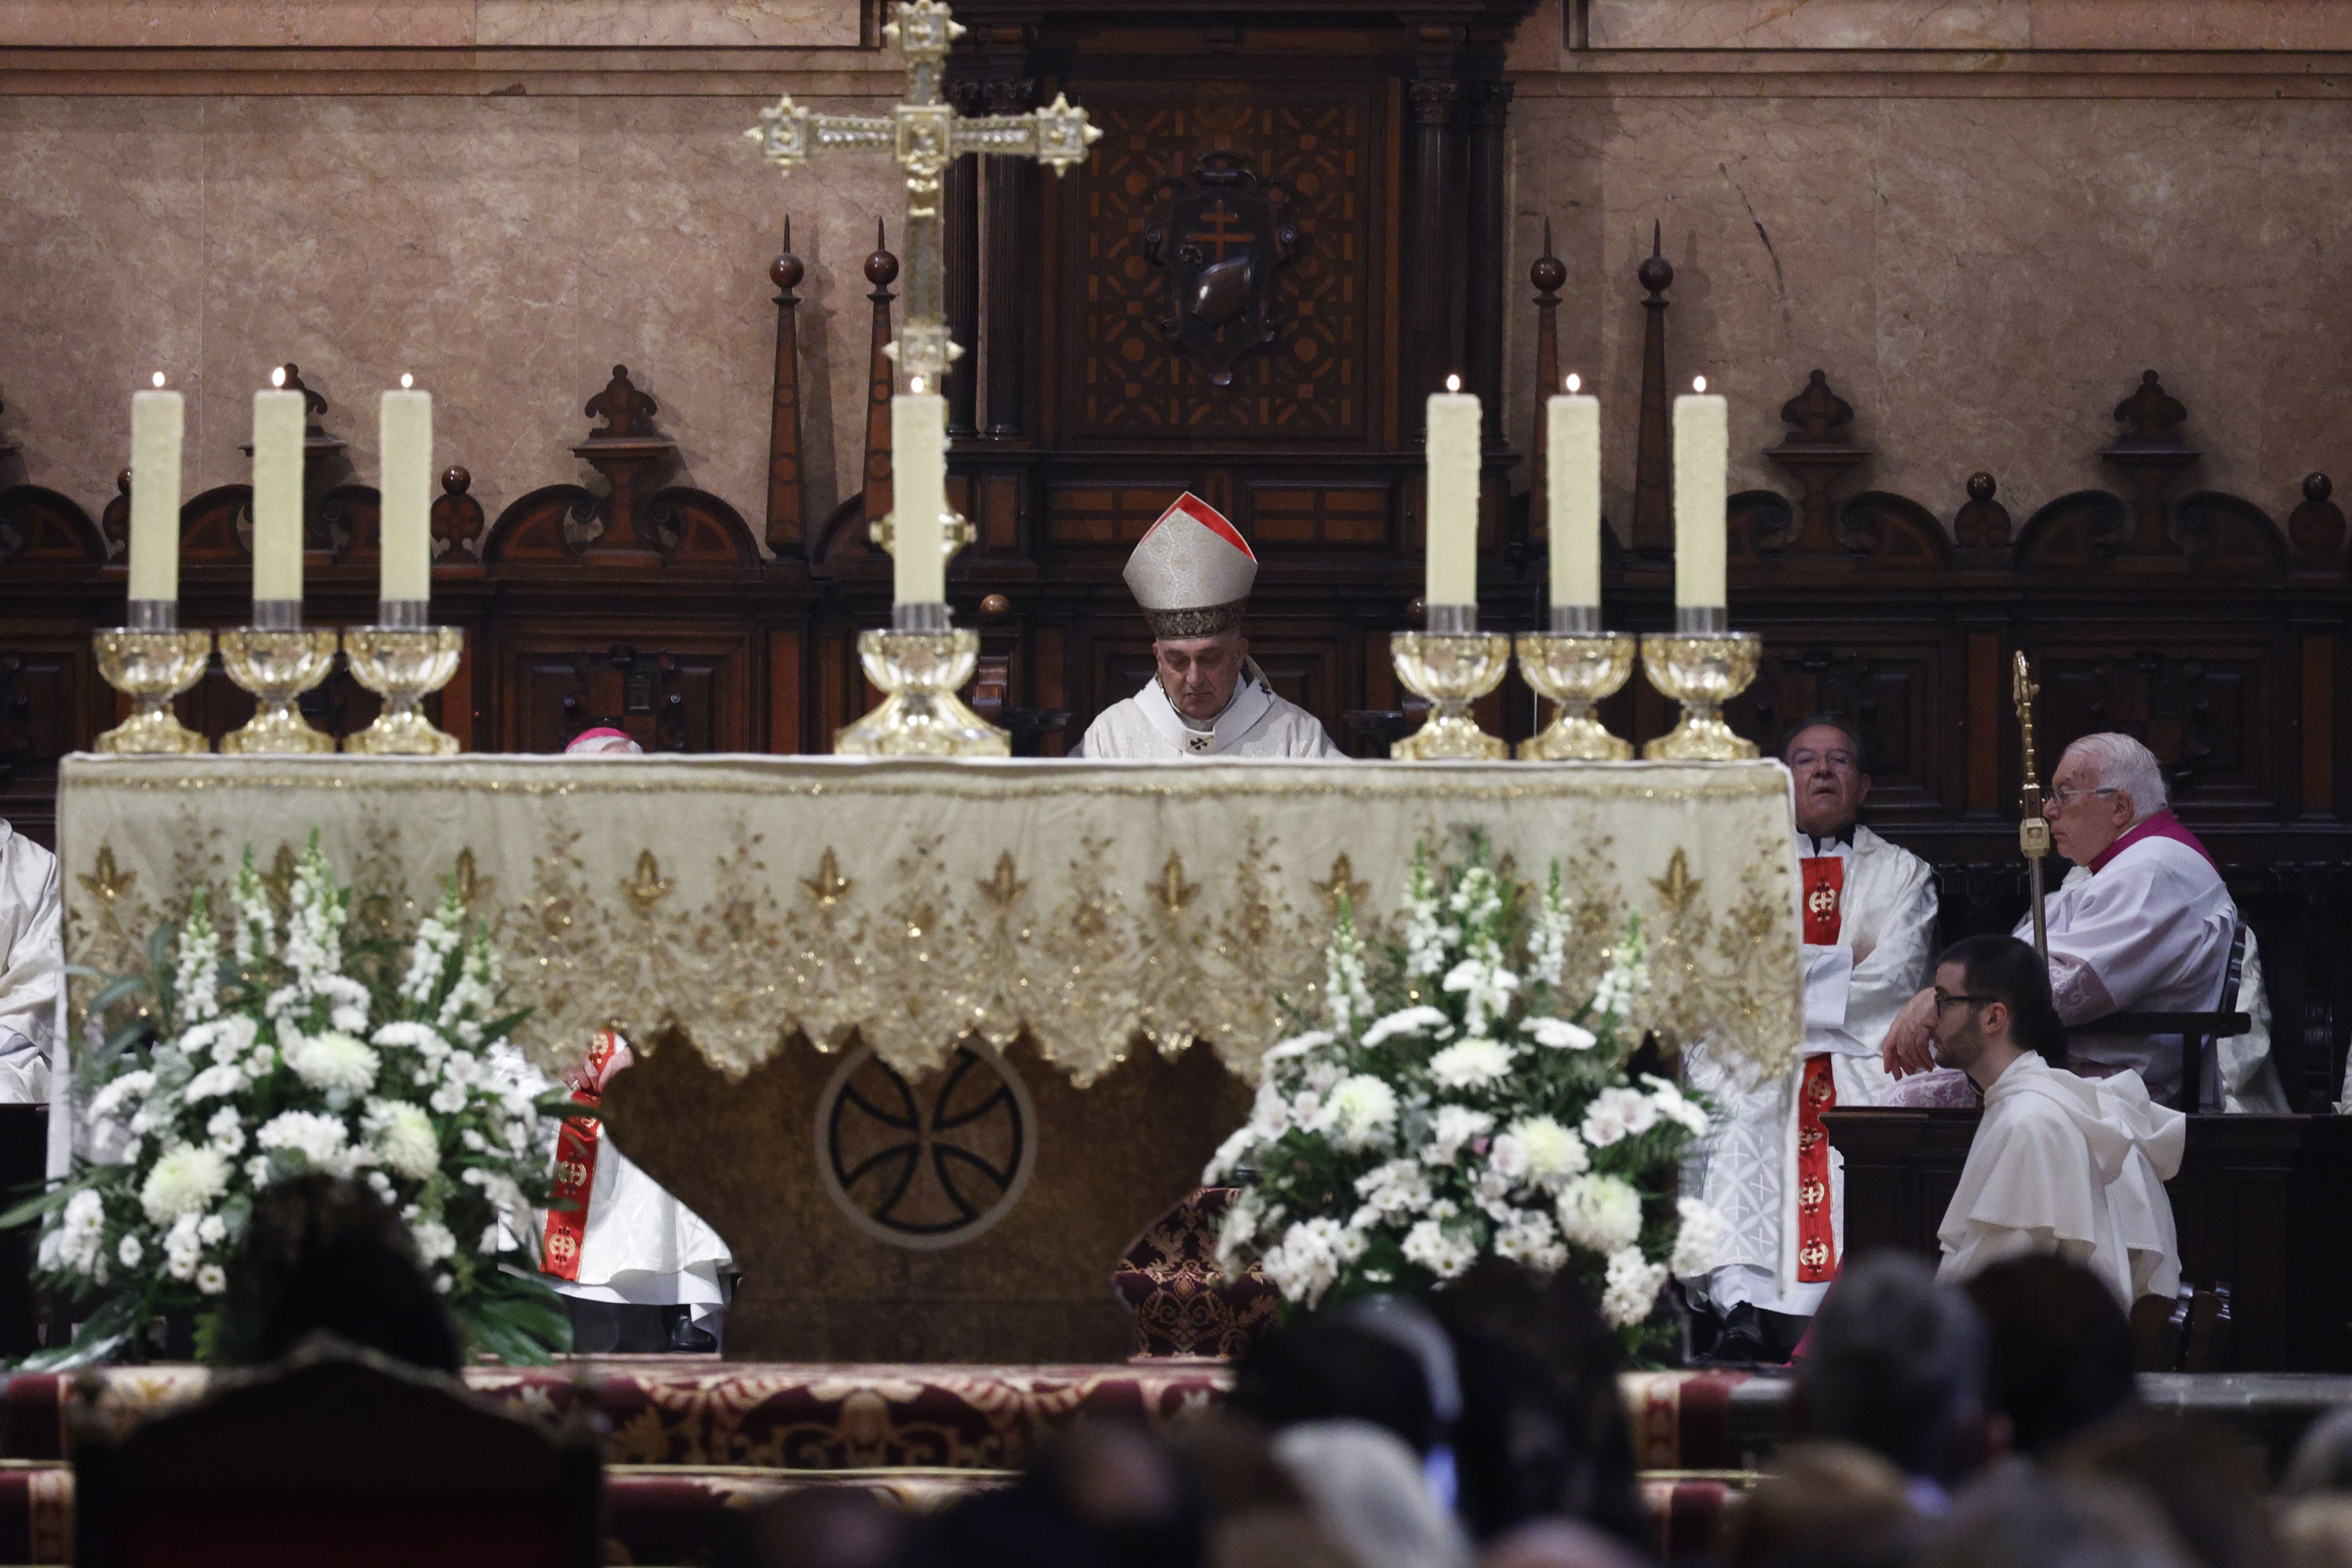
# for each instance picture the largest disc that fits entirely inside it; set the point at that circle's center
(1982, 233)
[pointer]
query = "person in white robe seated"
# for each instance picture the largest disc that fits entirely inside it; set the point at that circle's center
(2060, 1164)
(1191, 574)
(1869, 916)
(32, 966)
(2142, 924)
(638, 1270)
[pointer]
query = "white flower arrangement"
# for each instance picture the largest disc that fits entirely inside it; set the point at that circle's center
(1459, 1103)
(237, 1071)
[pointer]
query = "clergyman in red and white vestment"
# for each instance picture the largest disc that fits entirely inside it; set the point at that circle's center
(1869, 926)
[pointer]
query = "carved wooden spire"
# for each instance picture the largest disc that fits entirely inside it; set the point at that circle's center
(881, 270)
(787, 482)
(1653, 458)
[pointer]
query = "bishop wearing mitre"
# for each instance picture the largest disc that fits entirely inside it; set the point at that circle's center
(1191, 574)
(1869, 918)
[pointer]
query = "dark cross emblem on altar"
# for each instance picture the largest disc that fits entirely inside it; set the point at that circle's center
(922, 133)
(928, 1164)
(1219, 236)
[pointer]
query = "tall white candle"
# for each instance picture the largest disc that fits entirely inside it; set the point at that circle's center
(1573, 482)
(404, 427)
(1453, 453)
(918, 488)
(1702, 456)
(278, 418)
(157, 423)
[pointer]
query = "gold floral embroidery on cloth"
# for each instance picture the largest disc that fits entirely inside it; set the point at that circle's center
(1089, 906)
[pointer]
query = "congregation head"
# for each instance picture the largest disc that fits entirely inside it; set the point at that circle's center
(2105, 784)
(1829, 769)
(1897, 1366)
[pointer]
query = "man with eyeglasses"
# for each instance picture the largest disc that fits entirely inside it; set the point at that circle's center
(2060, 1164)
(1869, 914)
(2142, 923)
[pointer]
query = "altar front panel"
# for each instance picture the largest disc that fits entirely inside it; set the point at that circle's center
(1084, 904)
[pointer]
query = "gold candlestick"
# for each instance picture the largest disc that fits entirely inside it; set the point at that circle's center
(1702, 671)
(276, 667)
(920, 663)
(1452, 670)
(152, 666)
(402, 665)
(1575, 671)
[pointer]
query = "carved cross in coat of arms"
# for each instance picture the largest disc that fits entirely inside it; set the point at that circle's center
(1220, 236)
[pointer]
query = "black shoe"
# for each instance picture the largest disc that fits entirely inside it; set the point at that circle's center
(1744, 1340)
(686, 1337)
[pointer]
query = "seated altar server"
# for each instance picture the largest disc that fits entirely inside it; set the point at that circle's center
(1869, 914)
(2060, 1164)
(32, 966)
(638, 1269)
(2142, 923)
(1191, 574)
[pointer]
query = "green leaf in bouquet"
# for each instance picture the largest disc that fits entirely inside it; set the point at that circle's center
(97, 1339)
(33, 1203)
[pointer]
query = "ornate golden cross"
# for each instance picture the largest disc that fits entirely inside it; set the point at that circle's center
(922, 133)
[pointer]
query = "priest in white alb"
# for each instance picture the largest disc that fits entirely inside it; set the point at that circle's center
(2059, 1163)
(32, 966)
(1191, 574)
(2142, 924)
(1869, 919)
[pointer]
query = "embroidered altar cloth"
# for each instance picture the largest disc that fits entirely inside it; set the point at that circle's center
(1091, 904)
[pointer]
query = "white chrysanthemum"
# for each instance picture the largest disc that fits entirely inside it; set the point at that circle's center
(226, 1130)
(1308, 1259)
(1219, 1171)
(1471, 1064)
(1299, 1045)
(211, 1279)
(1560, 1033)
(1391, 1191)
(211, 1230)
(1602, 1213)
(1698, 1240)
(1359, 1112)
(214, 1083)
(1674, 1106)
(434, 1241)
(1633, 1284)
(1449, 1129)
(182, 1249)
(233, 1036)
(81, 1232)
(402, 1137)
(1506, 1158)
(1411, 1022)
(1448, 1257)
(1485, 988)
(1530, 1238)
(1237, 1230)
(323, 1141)
(111, 1100)
(1554, 1152)
(186, 1179)
(334, 1062)
(1617, 1113)
(131, 1252)
(448, 1100)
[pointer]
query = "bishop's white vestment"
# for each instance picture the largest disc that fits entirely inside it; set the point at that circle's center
(1255, 723)
(32, 966)
(2070, 1165)
(2145, 928)
(1766, 1164)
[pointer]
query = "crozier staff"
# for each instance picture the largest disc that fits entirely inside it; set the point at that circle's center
(1191, 574)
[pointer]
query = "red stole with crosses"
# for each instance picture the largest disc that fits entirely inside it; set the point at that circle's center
(1824, 878)
(575, 1168)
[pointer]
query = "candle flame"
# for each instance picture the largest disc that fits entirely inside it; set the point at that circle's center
(1698, 383)
(915, 385)
(278, 376)
(406, 380)
(159, 380)
(1453, 383)
(1574, 380)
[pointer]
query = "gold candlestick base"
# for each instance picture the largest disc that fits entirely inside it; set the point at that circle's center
(277, 668)
(152, 668)
(1702, 673)
(403, 666)
(1575, 671)
(920, 716)
(1452, 670)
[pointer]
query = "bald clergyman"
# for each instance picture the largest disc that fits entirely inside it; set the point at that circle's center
(1191, 574)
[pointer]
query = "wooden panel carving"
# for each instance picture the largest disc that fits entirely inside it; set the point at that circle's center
(41, 526)
(1105, 513)
(2202, 709)
(1133, 378)
(1321, 514)
(670, 693)
(1890, 691)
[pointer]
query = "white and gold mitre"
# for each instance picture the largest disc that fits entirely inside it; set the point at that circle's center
(1191, 573)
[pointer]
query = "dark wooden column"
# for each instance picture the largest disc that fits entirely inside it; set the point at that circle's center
(1009, 189)
(1487, 112)
(1433, 336)
(1547, 274)
(961, 209)
(1653, 462)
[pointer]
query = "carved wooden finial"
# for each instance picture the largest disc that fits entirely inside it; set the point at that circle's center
(2153, 413)
(1656, 274)
(627, 411)
(786, 270)
(1550, 271)
(2315, 528)
(881, 268)
(313, 402)
(1984, 523)
(1815, 415)
(457, 518)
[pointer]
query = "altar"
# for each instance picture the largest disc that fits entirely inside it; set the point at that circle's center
(931, 1043)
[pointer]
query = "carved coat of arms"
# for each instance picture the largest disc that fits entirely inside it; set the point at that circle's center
(1219, 236)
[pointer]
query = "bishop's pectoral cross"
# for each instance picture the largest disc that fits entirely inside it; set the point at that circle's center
(922, 133)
